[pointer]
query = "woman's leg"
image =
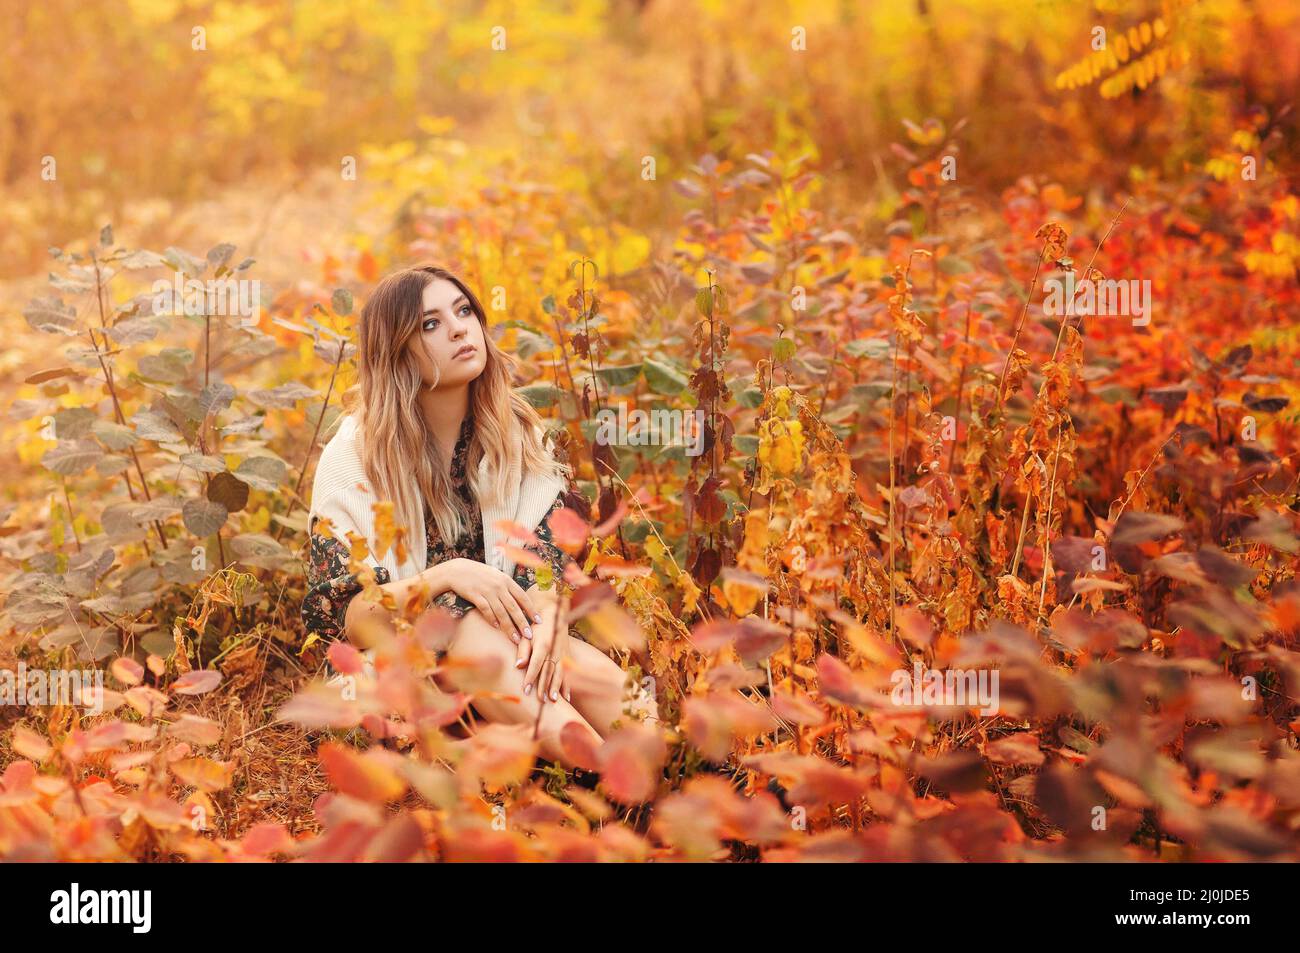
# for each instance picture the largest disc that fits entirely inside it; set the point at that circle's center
(598, 686)
(479, 643)
(596, 681)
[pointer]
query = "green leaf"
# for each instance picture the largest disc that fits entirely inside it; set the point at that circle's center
(635, 531)
(141, 258)
(875, 348)
(952, 265)
(203, 517)
(71, 458)
(341, 302)
(52, 316)
(282, 397)
(72, 423)
(259, 549)
(136, 330)
(183, 261)
(620, 375)
(204, 463)
(784, 349)
(219, 255)
(151, 424)
(262, 473)
(158, 642)
(170, 365)
(528, 342)
(1117, 393)
(664, 378)
(540, 395)
(215, 398)
(113, 435)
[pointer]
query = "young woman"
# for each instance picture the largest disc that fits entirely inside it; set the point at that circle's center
(438, 430)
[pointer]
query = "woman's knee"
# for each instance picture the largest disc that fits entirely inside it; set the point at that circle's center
(476, 645)
(599, 671)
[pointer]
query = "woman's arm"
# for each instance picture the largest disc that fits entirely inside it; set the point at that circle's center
(498, 597)
(331, 607)
(363, 612)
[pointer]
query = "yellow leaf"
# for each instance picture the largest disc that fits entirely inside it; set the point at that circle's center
(203, 773)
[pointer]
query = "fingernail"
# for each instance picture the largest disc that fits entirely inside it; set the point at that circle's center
(519, 664)
(555, 696)
(528, 631)
(537, 619)
(528, 688)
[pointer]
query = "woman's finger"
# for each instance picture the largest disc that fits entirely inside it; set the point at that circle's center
(557, 680)
(547, 675)
(523, 653)
(526, 603)
(515, 613)
(564, 679)
(503, 615)
(484, 606)
(557, 656)
(541, 651)
(553, 681)
(510, 628)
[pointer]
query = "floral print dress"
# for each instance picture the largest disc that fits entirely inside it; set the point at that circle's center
(331, 586)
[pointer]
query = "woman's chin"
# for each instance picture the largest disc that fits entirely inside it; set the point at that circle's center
(458, 377)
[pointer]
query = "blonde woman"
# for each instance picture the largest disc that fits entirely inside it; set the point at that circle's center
(438, 430)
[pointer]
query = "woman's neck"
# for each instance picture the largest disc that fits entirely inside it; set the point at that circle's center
(444, 412)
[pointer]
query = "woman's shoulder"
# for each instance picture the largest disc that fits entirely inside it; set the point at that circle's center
(340, 460)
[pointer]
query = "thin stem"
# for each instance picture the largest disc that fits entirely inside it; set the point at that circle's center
(311, 445)
(961, 386)
(112, 388)
(68, 502)
(1069, 305)
(1047, 534)
(1021, 324)
(1024, 525)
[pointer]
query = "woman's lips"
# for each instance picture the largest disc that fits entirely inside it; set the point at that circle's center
(467, 351)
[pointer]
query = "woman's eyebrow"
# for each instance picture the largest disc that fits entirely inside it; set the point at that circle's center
(459, 299)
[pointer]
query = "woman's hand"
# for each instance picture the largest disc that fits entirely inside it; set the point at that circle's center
(545, 654)
(499, 598)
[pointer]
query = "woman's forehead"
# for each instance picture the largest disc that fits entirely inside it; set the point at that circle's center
(442, 295)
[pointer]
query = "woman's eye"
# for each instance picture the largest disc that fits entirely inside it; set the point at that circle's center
(464, 308)
(430, 324)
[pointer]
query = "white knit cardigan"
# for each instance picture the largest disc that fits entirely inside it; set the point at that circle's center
(342, 493)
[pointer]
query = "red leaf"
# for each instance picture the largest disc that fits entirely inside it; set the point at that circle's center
(568, 529)
(346, 658)
(197, 682)
(632, 759)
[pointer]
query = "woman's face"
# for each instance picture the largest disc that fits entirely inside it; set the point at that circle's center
(454, 351)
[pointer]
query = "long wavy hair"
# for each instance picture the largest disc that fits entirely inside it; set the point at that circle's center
(401, 459)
